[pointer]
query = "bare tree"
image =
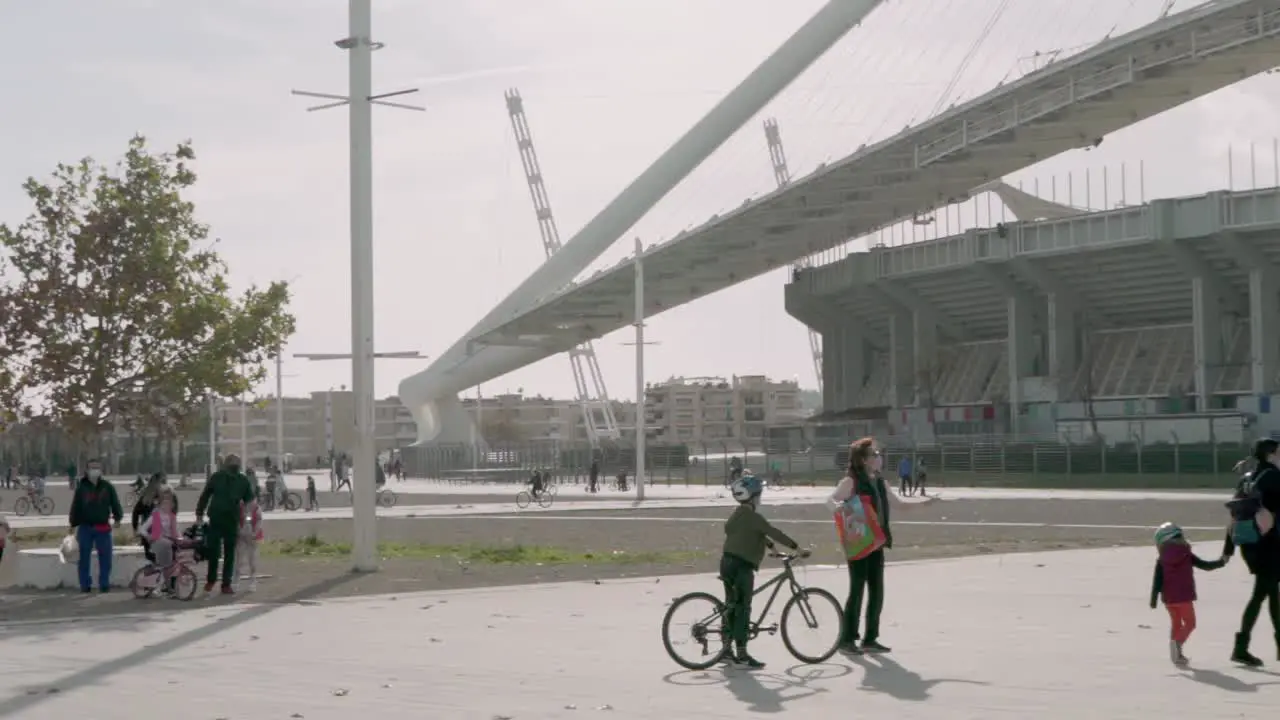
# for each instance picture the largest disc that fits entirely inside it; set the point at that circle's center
(1088, 383)
(929, 382)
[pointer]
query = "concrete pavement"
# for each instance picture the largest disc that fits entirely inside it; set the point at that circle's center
(1051, 635)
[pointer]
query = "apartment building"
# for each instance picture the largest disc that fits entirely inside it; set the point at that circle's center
(312, 426)
(515, 417)
(716, 409)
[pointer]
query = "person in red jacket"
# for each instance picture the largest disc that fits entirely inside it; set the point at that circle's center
(1175, 583)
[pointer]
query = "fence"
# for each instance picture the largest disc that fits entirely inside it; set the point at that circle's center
(957, 462)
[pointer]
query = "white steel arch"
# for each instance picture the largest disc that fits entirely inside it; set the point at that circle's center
(593, 398)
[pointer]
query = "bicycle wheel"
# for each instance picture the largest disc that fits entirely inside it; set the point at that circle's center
(143, 582)
(44, 506)
(704, 634)
(387, 499)
(21, 506)
(187, 583)
(545, 499)
(818, 610)
(523, 498)
(292, 501)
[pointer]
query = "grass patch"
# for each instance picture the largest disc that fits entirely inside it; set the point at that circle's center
(313, 546)
(48, 537)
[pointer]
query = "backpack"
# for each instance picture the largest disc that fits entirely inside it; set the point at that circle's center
(1249, 519)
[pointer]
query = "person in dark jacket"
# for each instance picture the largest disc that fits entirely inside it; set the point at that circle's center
(866, 576)
(1263, 557)
(93, 507)
(224, 497)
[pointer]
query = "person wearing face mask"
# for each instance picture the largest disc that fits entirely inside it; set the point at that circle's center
(225, 496)
(866, 575)
(1257, 503)
(93, 507)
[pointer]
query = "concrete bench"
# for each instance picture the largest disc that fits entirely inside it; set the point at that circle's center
(43, 569)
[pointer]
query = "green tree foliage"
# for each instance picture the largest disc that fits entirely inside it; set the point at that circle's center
(114, 306)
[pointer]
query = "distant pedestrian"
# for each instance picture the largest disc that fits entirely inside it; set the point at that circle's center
(313, 502)
(593, 477)
(904, 476)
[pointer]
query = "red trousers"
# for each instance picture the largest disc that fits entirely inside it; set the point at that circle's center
(1182, 618)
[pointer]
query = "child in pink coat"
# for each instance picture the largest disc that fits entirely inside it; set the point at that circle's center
(161, 529)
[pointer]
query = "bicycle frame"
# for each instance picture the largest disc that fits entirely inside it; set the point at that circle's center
(788, 578)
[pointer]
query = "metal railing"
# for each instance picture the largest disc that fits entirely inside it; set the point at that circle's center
(956, 462)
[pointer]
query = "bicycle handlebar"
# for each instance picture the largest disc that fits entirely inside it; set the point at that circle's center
(791, 556)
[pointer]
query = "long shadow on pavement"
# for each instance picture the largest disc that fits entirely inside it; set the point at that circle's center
(764, 692)
(885, 675)
(96, 673)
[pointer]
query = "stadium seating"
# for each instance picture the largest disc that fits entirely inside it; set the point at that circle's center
(1128, 363)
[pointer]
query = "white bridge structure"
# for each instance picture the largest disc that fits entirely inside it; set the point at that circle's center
(1072, 103)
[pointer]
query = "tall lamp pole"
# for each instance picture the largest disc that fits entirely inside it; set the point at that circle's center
(642, 424)
(360, 101)
(364, 514)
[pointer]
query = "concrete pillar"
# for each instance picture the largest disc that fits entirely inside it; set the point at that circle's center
(1207, 337)
(853, 362)
(901, 360)
(1264, 313)
(925, 358)
(1064, 343)
(833, 391)
(1021, 348)
(844, 365)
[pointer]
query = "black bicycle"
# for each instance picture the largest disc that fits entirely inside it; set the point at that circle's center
(709, 638)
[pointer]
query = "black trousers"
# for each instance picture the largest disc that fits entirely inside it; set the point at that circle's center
(221, 541)
(739, 579)
(866, 579)
(1266, 586)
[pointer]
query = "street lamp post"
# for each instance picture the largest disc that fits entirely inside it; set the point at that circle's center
(360, 99)
(364, 517)
(641, 421)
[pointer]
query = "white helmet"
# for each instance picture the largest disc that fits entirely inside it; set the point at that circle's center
(747, 487)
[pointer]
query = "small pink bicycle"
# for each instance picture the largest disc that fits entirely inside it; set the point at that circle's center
(150, 577)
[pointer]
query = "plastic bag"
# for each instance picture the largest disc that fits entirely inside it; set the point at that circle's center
(69, 550)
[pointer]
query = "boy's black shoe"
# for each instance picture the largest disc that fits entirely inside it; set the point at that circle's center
(744, 660)
(872, 646)
(1240, 653)
(849, 647)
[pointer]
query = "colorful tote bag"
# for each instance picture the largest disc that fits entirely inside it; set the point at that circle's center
(859, 527)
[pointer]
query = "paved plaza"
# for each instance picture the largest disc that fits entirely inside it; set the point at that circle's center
(1048, 635)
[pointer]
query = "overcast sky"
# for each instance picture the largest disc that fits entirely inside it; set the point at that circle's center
(607, 84)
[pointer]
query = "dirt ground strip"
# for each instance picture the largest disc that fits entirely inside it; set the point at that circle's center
(939, 530)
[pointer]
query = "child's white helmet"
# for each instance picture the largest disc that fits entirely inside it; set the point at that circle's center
(747, 487)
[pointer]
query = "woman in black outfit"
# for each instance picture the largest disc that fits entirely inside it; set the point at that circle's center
(866, 576)
(1263, 557)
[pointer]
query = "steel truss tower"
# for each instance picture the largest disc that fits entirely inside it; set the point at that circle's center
(782, 175)
(597, 411)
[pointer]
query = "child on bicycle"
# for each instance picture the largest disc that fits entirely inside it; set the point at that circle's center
(161, 531)
(746, 536)
(247, 542)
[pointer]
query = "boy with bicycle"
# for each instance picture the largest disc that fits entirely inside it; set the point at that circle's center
(747, 534)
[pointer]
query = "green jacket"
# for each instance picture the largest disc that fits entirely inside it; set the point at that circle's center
(746, 535)
(223, 496)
